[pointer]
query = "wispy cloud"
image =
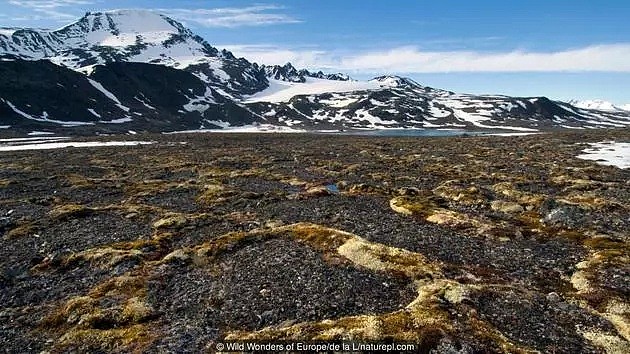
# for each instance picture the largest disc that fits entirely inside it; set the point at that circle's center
(603, 58)
(269, 54)
(48, 9)
(257, 15)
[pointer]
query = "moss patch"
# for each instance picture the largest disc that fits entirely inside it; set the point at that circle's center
(69, 211)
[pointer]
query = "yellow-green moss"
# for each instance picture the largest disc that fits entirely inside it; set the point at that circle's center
(170, 221)
(507, 189)
(19, 231)
(69, 210)
(506, 207)
(319, 237)
(381, 258)
(78, 181)
(83, 323)
(422, 322)
(137, 310)
(210, 193)
(413, 205)
(124, 284)
(364, 188)
(459, 192)
(105, 257)
(133, 339)
(610, 343)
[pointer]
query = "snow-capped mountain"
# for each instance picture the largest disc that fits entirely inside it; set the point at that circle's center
(138, 70)
(399, 103)
(97, 38)
(599, 105)
(133, 36)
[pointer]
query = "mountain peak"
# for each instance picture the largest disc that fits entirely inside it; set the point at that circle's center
(288, 72)
(133, 20)
(394, 81)
(120, 28)
(117, 35)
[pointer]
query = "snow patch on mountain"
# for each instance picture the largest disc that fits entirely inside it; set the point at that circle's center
(283, 91)
(8, 32)
(44, 117)
(117, 121)
(108, 94)
(103, 90)
(339, 101)
(599, 105)
(94, 112)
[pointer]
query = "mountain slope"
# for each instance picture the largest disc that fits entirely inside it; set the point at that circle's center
(115, 97)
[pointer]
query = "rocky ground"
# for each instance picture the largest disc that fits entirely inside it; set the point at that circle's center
(458, 244)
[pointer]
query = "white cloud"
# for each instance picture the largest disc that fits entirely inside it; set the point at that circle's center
(607, 57)
(257, 15)
(269, 54)
(48, 4)
(47, 9)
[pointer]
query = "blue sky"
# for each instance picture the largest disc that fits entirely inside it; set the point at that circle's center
(561, 49)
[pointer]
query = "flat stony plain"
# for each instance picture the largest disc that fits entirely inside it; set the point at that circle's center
(459, 244)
